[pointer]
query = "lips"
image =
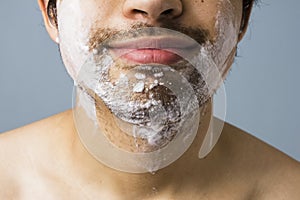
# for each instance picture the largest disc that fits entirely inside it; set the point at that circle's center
(161, 50)
(148, 55)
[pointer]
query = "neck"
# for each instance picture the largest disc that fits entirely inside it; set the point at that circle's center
(169, 177)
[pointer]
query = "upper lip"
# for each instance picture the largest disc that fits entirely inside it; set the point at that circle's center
(154, 42)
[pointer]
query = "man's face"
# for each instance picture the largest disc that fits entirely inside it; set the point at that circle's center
(84, 24)
(173, 37)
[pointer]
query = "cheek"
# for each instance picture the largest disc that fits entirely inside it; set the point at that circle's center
(227, 26)
(74, 26)
(222, 19)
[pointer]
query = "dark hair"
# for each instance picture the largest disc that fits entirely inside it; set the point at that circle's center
(247, 4)
(52, 12)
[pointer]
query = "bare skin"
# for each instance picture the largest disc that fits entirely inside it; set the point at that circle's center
(46, 160)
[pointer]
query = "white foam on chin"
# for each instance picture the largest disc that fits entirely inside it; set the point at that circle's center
(117, 97)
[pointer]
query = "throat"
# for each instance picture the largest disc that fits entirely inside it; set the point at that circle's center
(164, 182)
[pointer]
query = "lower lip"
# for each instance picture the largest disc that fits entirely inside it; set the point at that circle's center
(144, 56)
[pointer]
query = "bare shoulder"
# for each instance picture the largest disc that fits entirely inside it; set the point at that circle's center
(22, 147)
(275, 174)
(34, 134)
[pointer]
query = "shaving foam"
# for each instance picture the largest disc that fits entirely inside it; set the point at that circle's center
(142, 117)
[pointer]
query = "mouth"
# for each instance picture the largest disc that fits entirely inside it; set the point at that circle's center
(159, 50)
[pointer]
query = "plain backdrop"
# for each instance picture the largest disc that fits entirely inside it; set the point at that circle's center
(262, 89)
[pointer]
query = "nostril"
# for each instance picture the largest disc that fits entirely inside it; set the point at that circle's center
(167, 12)
(137, 11)
(152, 9)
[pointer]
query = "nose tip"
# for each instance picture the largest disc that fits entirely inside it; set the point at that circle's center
(152, 10)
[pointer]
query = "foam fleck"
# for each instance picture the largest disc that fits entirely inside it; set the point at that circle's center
(140, 76)
(139, 87)
(159, 75)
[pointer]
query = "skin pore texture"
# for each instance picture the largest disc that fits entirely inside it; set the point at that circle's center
(48, 160)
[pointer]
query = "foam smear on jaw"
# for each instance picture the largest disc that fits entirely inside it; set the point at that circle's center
(155, 107)
(73, 33)
(227, 29)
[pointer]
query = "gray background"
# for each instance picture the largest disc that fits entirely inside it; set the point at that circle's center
(262, 89)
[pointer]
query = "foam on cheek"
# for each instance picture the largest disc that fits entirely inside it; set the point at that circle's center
(73, 27)
(152, 110)
(226, 30)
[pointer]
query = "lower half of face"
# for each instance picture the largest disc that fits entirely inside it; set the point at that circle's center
(84, 25)
(147, 81)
